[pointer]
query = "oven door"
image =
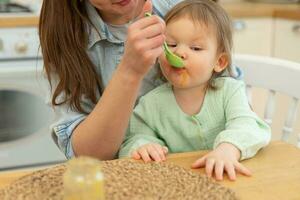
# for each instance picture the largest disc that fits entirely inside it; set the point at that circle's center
(25, 139)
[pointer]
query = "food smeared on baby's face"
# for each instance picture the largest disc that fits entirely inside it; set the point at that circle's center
(182, 75)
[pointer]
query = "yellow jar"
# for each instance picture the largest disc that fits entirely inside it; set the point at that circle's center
(83, 179)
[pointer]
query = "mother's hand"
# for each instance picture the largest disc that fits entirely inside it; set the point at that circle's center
(145, 38)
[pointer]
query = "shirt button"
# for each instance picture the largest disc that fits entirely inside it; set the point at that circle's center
(194, 120)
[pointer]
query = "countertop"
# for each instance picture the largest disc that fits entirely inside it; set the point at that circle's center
(236, 10)
(275, 173)
(18, 21)
(248, 9)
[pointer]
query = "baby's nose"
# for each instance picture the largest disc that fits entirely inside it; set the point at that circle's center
(181, 52)
(183, 56)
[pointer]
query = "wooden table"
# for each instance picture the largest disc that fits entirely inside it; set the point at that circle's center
(276, 173)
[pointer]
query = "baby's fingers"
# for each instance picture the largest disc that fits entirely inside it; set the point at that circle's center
(199, 163)
(135, 155)
(229, 167)
(166, 150)
(154, 153)
(219, 170)
(161, 151)
(209, 166)
(144, 154)
(242, 169)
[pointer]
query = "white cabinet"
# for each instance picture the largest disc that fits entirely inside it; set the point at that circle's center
(253, 36)
(287, 39)
(268, 37)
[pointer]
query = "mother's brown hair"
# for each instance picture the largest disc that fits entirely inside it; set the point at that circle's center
(63, 37)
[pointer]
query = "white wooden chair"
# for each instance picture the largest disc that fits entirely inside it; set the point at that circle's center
(275, 75)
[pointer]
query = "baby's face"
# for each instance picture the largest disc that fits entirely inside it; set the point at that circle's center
(196, 44)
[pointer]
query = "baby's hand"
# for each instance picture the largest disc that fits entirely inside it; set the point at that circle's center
(224, 158)
(150, 152)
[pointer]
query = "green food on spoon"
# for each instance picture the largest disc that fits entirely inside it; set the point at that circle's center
(174, 60)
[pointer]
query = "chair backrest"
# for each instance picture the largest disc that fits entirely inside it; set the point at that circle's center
(275, 75)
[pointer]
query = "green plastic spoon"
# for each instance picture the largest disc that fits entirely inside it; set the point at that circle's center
(174, 60)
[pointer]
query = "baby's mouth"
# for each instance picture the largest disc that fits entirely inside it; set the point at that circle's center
(179, 70)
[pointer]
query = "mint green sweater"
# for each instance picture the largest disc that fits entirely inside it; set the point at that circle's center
(225, 116)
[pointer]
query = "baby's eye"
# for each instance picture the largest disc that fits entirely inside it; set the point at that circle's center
(171, 45)
(196, 48)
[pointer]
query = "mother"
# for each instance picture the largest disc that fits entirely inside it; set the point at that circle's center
(95, 76)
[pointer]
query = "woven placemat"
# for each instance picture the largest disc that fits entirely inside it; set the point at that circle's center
(124, 180)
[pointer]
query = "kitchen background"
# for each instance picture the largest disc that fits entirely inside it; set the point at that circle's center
(261, 27)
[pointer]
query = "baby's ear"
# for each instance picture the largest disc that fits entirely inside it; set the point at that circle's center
(222, 63)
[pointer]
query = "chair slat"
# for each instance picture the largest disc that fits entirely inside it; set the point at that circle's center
(290, 119)
(270, 107)
(273, 74)
(298, 143)
(249, 93)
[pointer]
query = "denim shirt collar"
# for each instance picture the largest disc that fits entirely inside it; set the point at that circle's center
(99, 30)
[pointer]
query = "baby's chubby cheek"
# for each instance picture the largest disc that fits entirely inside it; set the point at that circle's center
(165, 66)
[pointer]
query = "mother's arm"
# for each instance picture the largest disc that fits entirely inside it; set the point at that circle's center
(101, 133)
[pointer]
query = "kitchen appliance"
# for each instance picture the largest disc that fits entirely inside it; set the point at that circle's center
(20, 6)
(6, 7)
(25, 138)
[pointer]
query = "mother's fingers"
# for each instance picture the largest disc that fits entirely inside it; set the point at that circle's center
(150, 56)
(146, 22)
(148, 44)
(153, 30)
(146, 8)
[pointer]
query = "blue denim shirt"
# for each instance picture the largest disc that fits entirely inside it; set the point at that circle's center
(106, 51)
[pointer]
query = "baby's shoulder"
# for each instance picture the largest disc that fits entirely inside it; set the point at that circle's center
(160, 92)
(163, 89)
(228, 83)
